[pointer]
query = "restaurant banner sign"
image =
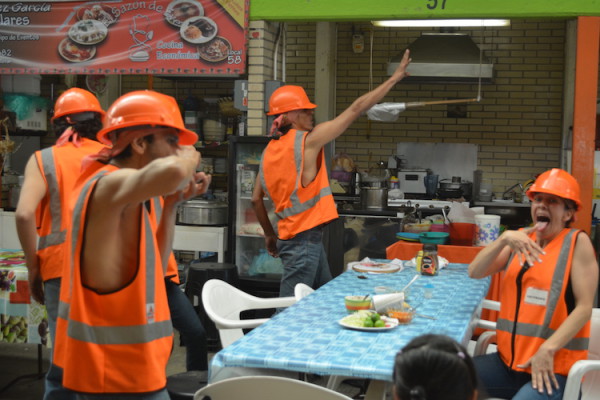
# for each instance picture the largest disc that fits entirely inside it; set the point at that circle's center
(124, 37)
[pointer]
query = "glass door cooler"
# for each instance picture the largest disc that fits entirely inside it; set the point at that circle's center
(259, 273)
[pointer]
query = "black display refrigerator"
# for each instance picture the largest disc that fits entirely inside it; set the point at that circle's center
(259, 274)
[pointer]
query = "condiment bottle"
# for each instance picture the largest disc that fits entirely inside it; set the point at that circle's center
(419, 260)
(429, 263)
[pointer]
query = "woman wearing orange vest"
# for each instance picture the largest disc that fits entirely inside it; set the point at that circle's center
(548, 290)
(294, 176)
(114, 334)
(42, 216)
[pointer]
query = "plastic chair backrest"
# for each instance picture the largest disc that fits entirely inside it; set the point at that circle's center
(302, 290)
(223, 304)
(590, 387)
(265, 388)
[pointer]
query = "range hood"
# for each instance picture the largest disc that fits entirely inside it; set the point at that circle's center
(445, 58)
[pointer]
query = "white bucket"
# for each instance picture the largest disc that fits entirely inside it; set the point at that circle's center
(487, 229)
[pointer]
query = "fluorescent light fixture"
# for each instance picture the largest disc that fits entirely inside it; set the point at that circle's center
(442, 22)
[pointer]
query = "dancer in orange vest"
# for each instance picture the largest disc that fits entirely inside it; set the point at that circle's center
(548, 290)
(42, 216)
(294, 176)
(114, 334)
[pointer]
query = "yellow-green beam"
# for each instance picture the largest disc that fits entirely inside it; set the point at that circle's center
(367, 10)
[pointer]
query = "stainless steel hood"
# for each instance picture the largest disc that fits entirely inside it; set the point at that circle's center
(445, 58)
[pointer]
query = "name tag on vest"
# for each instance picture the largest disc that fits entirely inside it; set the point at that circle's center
(536, 297)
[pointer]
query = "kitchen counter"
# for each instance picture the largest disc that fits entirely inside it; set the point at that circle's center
(500, 204)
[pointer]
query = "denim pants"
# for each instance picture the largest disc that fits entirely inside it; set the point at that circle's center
(188, 324)
(501, 381)
(304, 261)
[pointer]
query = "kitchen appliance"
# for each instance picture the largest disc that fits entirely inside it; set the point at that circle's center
(412, 180)
(374, 197)
(455, 188)
(202, 212)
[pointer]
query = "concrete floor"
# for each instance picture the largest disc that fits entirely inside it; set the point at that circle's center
(22, 359)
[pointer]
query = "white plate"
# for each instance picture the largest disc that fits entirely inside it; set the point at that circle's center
(180, 10)
(74, 52)
(198, 30)
(390, 323)
(88, 31)
(382, 268)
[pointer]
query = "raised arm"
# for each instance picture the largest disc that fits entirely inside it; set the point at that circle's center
(328, 131)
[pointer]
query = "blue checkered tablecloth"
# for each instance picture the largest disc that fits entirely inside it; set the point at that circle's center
(306, 337)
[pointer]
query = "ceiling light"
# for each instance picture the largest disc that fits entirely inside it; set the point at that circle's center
(442, 22)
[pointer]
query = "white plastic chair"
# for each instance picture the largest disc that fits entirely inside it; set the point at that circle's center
(224, 303)
(265, 388)
(590, 368)
(301, 290)
(590, 388)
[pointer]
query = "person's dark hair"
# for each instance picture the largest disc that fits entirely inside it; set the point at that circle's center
(86, 124)
(434, 367)
(570, 205)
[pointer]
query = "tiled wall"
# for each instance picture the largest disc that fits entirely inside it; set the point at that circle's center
(517, 125)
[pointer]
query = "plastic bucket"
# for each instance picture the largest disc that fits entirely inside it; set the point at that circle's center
(462, 233)
(487, 229)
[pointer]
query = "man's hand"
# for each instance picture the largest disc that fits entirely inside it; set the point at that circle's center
(197, 186)
(36, 286)
(400, 72)
(271, 245)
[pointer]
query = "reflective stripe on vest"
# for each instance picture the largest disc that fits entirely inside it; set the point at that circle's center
(56, 236)
(297, 207)
(544, 331)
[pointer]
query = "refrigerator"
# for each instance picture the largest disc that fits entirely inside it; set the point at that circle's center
(259, 274)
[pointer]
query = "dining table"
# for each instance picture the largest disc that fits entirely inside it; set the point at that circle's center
(22, 319)
(308, 337)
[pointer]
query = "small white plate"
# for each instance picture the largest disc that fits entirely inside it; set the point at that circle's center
(390, 323)
(198, 30)
(180, 10)
(88, 32)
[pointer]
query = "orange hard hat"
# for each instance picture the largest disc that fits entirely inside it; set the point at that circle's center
(557, 182)
(288, 98)
(145, 107)
(76, 100)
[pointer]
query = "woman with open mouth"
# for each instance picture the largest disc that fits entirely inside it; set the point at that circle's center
(547, 295)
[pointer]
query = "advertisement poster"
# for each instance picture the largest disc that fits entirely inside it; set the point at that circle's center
(124, 37)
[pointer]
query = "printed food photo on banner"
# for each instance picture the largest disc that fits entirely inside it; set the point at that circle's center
(132, 37)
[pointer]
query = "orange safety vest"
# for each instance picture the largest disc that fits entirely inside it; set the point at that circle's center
(117, 342)
(156, 207)
(534, 297)
(60, 166)
(298, 208)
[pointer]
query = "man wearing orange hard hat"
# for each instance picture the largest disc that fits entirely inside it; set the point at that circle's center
(293, 175)
(548, 293)
(42, 216)
(114, 332)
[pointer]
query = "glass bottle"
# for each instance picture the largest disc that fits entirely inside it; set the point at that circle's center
(429, 263)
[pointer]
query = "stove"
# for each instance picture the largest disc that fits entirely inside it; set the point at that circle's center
(422, 203)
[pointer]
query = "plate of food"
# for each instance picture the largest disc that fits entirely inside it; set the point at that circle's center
(216, 50)
(74, 52)
(88, 31)
(198, 30)
(368, 321)
(372, 266)
(99, 12)
(179, 11)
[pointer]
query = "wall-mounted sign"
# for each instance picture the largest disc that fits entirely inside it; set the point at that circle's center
(124, 37)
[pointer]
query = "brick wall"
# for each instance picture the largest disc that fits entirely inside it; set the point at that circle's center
(517, 125)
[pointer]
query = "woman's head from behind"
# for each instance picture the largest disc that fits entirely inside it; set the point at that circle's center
(434, 367)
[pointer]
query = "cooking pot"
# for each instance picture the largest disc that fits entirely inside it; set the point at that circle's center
(456, 187)
(373, 197)
(202, 212)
